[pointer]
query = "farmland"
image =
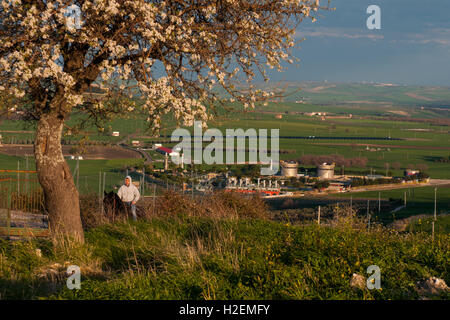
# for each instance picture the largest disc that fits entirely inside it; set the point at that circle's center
(180, 251)
(418, 126)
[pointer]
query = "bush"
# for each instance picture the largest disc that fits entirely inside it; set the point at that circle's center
(218, 205)
(321, 185)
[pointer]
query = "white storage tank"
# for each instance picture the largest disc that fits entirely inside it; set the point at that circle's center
(325, 171)
(289, 169)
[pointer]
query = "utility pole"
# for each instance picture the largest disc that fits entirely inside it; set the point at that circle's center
(405, 199)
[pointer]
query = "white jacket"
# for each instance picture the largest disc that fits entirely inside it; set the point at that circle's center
(130, 193)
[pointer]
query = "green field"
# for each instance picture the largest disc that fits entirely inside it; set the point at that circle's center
(359, 95)
(424, 141)
(183, 253)
(441, 225)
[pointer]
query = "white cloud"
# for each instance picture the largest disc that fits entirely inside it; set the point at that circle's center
(337, 33)
(438, 36)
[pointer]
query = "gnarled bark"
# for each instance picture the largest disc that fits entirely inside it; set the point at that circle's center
(60, 193)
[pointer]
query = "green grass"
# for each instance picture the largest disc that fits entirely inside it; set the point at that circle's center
(203, 258)
(91, 171)
(441, 225)
(420, 200)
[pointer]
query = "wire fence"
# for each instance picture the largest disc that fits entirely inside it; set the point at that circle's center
(21, 204)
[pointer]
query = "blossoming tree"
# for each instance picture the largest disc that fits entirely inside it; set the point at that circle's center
(170, 52)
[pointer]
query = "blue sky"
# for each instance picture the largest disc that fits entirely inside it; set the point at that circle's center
(412, 47)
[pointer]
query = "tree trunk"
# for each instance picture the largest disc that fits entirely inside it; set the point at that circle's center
(60, 193)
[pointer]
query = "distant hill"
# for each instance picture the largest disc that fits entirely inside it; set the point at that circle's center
(383, 94)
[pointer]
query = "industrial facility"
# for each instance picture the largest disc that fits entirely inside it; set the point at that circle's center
(325, 171)
(289, 169)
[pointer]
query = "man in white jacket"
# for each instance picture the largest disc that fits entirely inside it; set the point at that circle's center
(129, 194)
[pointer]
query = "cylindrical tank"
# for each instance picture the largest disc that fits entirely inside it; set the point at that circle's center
(325, 171)
(289, 169)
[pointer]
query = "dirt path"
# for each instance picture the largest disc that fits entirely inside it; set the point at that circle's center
(92, 152)
(419, 97)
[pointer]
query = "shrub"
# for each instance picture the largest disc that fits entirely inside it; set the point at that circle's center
(218, 204)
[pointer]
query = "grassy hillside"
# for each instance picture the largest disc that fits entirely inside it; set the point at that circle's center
(366, 94)
(186, 256)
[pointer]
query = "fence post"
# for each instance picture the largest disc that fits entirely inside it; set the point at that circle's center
(18, 177)
(143, 182)
(27, 177)
(435, 190)
(318, 217)
(100, 188)
(432, 231)
(78, 173)
(154, 195)
(379, 201)
(104, 182)
(8, 216)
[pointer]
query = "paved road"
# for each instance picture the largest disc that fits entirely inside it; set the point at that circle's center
(432, 183)
(143, 153)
